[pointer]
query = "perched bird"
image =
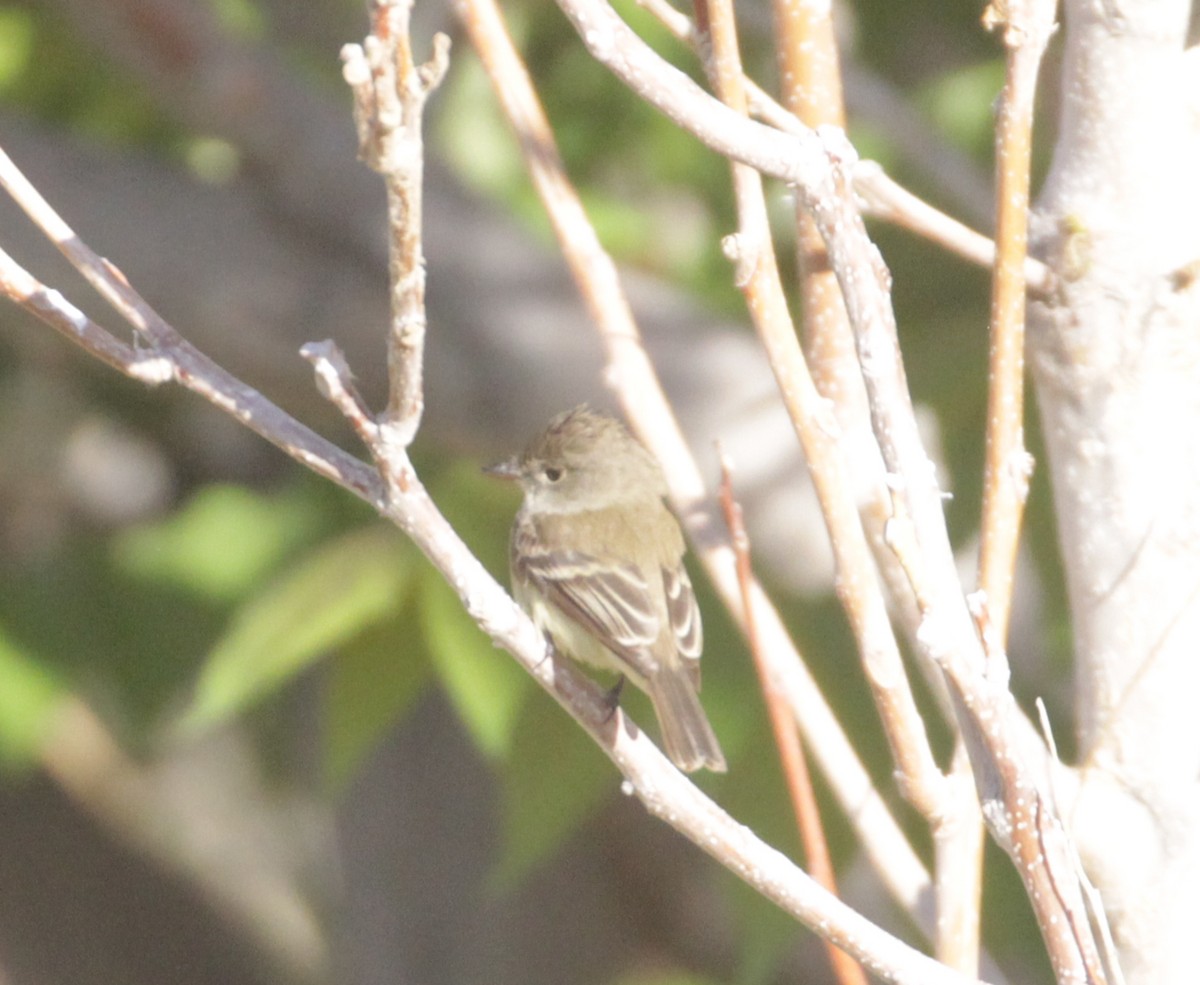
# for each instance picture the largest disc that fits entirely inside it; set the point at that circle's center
(597, 562)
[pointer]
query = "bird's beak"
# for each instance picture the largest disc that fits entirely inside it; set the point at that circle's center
(510, 469)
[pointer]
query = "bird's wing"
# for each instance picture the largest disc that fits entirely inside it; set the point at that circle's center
(684, 614)
(610, 599)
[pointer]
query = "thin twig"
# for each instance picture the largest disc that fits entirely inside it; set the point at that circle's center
(1112, 962)
(105, 278)
(389, 101)
(1021, 812)
(783, 726)
(51, 307)
(958, 870)
(1026, 26)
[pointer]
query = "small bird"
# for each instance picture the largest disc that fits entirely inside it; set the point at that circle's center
(597, 562)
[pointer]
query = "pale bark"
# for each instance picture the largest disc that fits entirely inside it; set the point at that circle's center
(1115, 356)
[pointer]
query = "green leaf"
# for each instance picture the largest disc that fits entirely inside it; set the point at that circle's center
(138, 643)
(221, 544)
(29, 694)
(555, 779)
(346, 586)
(371, 683)
(485, 685)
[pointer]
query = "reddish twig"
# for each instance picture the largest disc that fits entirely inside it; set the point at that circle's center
(1026, 27)
(783, 726)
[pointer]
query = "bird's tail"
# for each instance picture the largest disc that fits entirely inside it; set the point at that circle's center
(687, 736)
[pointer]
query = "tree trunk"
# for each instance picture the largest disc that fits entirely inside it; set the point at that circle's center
(1115, 355)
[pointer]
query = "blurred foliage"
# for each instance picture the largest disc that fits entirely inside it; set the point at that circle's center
(222, 543)
(29, 694)
(129, 618)
(345, 586)
(223, 604)
(242, 18)
(16, 47)
(662, 978)
(553, 782)
(960, 103)
(371, 681)
(485, 689)
(659, 200)
(48, 74)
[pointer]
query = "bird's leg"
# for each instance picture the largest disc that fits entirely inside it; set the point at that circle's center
(612, 697)
(550, 649)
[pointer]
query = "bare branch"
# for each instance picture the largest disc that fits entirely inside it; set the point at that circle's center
(799, 159)
(1112, 963)
(389, 101)
(107, 280)
(56, 311)
(958, 870)
(1026, 26)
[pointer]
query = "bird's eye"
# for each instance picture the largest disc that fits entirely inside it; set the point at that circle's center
(552, 473)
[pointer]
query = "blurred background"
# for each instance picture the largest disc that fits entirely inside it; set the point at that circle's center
(246, 733)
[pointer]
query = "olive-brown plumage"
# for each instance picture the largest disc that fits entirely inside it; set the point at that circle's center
(597, 561)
